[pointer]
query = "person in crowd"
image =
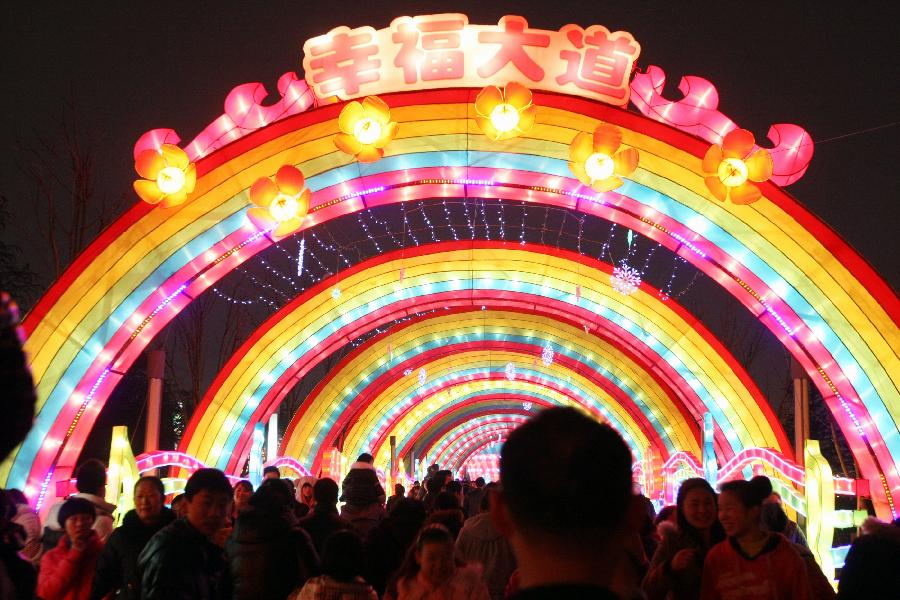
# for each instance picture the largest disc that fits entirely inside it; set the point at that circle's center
(677, 566)
(67, 570)
(666, 520)
(472, 504)
(388, 542)
(773, 518)
(416, 492)
(179, 507)
(17, 576)
(269, 555)
(271, 472)
(434, 485)
(305, 496)
(792, 532)
(431, 570)
(324, 520)
(343, 563)
(479, 542)
(447, 512)
(90, 481)
(751, 563)
(565, 489)
(870, 569)
(28, 519)
(117, 569)
(362, 495)
(181, 561)
(399, 493)
(243, 490)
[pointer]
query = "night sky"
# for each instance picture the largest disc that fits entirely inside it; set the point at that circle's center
(171, 64)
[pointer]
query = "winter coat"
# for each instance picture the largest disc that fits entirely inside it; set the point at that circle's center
(66, 572)
(870, 569)
(661, 582)
(776, 573)
(361, 486)
(480, 542)
(464, 584)
(388, 542)
(117, 568)
(321, 522)
(326, 588)
(180, 563)
(31, 523)
(269, 555)
(363, 518)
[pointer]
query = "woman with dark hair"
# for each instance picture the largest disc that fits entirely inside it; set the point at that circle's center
(343, 563)
(243, 490)
(677, 564)
(269, 555)
(447, 511)
(751, 563)
(67, 569)
(117, 569)
(431, 571)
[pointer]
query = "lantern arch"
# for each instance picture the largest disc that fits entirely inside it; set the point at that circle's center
(835, 315)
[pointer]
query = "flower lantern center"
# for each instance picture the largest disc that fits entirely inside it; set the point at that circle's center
(367, 130)
(504, 117)
(732, 172)
(283, 207)
(599, 166)
(170, 180)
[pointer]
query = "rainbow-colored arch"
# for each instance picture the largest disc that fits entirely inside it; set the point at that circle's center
(829, 308)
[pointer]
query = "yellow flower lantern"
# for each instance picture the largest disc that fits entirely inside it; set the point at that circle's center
(366, 128)
(168, 176)
(504, 114)
(279, 205)
(596, 160)
(731, 169)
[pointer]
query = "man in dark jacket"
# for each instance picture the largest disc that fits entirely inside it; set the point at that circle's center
(363, 496)
(324, 520)
(180, 561)
(117, 568)
(269, 555)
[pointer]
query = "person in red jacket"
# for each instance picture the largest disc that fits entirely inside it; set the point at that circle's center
(67, 570)
(751, 564)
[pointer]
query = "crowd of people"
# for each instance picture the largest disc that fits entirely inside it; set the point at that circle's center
(562, 522)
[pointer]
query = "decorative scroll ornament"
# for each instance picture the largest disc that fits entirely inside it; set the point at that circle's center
(547, 355)
(697, 113)
(504, 114)
(625, 280)
(510, 371)
(732, 167)
(366, 128)
(168, 175)
(596, 161)
(279, 205)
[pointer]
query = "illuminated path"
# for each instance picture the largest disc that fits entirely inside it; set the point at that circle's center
(834, 314)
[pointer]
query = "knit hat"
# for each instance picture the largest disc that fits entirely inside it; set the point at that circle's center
(75, 506)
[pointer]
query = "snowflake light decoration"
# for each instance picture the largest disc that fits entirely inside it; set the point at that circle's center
(625, 279)
(547, 355)
(423, 375)
(527, 405)
(336, 293)
(510, 371)
(407, 372)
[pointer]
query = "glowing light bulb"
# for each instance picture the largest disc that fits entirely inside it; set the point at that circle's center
(504, 117)
(367, 131)
(283, 207)
(599, 166)
(170, 180)
(732, 172)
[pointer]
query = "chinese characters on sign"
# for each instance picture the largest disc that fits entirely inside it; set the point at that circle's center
(436, 51)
